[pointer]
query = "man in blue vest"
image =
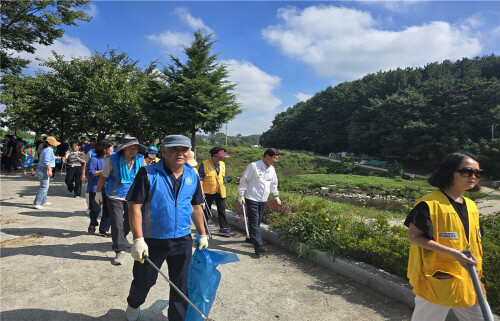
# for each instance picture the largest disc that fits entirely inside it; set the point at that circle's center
(163, 199)
(118, 173)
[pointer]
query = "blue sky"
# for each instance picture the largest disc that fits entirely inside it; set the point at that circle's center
(282, 52)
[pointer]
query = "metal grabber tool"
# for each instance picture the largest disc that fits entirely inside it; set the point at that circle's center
(146, 257)
(245, 219)
(207, 210)
(485, 308)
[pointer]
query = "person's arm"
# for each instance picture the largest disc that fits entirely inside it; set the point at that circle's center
(418, 238)
(135, 218)
(197, 218)
(242, 187)
(274, 184)
(10, 151)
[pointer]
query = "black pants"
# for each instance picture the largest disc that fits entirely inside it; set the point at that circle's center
(74, 180)
(120, 227)
(177, 252)
(255, 211)
(221, 207)
(11, 162)
(95, 209)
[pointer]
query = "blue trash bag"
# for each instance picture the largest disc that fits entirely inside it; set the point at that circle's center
(30, 160)
(204, 278)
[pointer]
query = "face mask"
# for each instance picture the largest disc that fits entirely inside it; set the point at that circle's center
(152, 155)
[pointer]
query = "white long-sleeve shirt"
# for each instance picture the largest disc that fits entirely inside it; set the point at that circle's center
(258, 181)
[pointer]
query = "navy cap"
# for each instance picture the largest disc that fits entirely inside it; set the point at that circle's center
(176, 140)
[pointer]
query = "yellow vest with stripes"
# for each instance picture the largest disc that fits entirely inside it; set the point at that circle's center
(458, 291)
(213, 184)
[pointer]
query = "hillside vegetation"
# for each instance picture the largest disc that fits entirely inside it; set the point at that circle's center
(416, 114)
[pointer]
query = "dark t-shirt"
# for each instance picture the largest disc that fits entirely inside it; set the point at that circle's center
(421, 218)
(139, 191)
(12, 144)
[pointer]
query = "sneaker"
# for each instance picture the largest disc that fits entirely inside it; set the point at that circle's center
(133, 314)
(118, 260)
(48, 203)
(38, 207)
(226, 232)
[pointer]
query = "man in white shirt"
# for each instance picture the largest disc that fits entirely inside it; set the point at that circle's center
(257, 182)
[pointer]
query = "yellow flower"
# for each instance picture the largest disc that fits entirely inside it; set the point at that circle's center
(327, 231)
(363, 221)
(363, 206)
(340, 225)
(338, 228)
(333, 206)
(327, 219)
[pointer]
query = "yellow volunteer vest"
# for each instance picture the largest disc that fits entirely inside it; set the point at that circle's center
(212, 183)
(448, 231)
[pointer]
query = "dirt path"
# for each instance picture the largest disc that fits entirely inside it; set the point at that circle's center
(51, 269)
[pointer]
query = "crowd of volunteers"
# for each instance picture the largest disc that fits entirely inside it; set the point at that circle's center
(157, 192)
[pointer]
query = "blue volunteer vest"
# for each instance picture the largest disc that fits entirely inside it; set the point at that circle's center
(164, 216)
(114, 186)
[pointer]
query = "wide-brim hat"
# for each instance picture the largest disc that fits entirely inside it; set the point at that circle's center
(127, 142)
(52, 141)
(176, 140)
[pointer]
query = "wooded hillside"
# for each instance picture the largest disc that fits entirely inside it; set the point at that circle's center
(418, 114)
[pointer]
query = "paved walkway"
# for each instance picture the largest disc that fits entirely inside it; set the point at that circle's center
(51, 269)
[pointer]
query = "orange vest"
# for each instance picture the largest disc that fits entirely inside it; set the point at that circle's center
(213, 183)
(458, 291)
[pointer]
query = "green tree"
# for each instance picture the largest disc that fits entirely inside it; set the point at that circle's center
(195, 95)
(27, 22)
(98, 95)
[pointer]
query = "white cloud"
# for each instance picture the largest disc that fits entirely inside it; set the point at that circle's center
(343, 42)
(175, 41)
(192, 22)
(254, 92)
(67, 46)
(302, 97)
(92, 10)
(495, 31)
(172, 41)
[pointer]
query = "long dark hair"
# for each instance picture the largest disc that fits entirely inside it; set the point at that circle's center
(102, 146)
(442, 177)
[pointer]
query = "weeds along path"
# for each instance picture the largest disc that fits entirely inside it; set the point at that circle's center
(52, 269)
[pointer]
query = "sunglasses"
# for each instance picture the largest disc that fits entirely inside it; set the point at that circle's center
(468, 172)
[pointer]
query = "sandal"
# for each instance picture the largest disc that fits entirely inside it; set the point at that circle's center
(91, 229)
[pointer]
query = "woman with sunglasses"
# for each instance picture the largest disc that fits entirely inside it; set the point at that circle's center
(441, 225)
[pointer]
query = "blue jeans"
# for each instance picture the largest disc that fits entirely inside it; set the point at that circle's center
(43, 177)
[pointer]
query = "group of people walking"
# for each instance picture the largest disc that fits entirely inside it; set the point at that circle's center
(157, 199)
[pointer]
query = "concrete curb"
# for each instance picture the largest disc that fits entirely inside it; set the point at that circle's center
(387, 284)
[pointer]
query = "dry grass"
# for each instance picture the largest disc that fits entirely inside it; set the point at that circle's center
(20, 241)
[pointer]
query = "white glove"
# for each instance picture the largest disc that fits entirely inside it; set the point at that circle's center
(138, 249)
(98, 197)
(203, 242)
(241, 199)
(278, 201)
